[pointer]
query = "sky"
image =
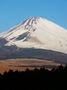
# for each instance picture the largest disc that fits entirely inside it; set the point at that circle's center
(12, 12)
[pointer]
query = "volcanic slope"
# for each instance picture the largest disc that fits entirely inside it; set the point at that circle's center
(39, 33)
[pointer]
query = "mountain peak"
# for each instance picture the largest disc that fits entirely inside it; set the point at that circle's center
(33, 20)
(36, 17)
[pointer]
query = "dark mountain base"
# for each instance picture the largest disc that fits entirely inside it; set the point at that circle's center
(8, 52)
(42, 79)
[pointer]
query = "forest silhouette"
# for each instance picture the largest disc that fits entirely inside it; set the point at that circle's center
(37, 79)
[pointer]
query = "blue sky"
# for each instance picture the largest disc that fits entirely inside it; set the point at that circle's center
(13, 12)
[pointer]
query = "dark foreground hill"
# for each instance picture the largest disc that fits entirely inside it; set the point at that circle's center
(42, 79)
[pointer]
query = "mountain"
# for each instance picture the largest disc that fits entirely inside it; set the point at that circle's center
(35, 33)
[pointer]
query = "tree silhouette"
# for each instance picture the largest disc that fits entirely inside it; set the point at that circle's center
(60, 68)
(37, 79)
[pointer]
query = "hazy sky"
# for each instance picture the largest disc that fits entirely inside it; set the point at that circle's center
(13, 12)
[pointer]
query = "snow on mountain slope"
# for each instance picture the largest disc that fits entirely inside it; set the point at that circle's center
(37, 32)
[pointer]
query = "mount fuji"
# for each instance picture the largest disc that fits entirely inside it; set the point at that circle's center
(33, 37)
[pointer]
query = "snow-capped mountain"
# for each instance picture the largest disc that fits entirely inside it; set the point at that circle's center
(39, 33)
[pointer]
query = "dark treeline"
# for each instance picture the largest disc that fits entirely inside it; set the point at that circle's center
(37, 79)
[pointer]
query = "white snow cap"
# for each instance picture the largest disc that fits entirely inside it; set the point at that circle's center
(37, 32)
